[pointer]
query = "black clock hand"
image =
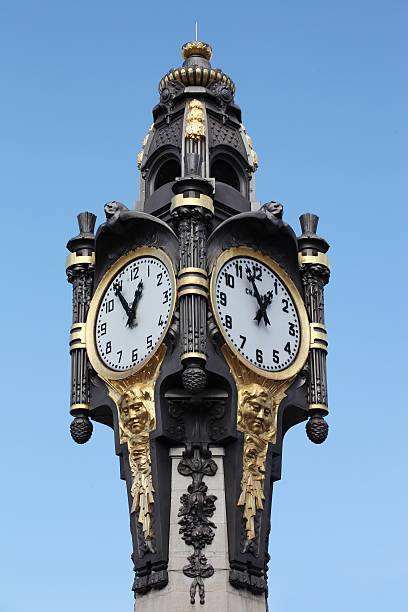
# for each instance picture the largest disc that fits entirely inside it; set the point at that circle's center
(138, 294)
(251, 278)
(266, 301)
(122, 300)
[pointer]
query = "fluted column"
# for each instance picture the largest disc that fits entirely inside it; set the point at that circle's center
(80, 270)
(315, 273)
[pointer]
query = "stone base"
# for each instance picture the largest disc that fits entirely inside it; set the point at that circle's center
(220, 595)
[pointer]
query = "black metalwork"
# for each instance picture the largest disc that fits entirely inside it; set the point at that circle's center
(80, 272)
(315, 275)
(192, 223)
(196, 510)
(196, 396)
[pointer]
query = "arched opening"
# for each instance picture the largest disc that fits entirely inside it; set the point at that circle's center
(223, 172)
(167, 173)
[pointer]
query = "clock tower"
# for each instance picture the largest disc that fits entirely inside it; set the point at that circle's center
(198, 336)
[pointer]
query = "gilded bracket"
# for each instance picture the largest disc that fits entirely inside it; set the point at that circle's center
(257, 415)
(134, 399)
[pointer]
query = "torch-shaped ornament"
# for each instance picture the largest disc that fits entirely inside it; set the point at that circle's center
(315, 273)
(80, 271)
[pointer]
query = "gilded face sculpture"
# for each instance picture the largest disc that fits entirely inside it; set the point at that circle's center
(135, 412)
(257, 410)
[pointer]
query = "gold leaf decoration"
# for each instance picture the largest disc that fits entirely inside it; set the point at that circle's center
(257, 414)
(134, 398)
(195, 123)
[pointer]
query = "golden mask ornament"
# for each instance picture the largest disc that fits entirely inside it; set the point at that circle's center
(134, 399)
(257, 414)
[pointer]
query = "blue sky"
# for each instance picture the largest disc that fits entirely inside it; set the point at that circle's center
(323, 89)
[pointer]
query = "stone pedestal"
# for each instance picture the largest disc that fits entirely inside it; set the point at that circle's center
(220, 595)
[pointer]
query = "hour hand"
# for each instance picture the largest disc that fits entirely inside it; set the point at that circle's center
(266, 301)
(262, 307)
(122, 300)
(131, 322)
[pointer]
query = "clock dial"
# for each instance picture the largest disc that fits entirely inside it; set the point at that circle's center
(134, 313)
(258, 313)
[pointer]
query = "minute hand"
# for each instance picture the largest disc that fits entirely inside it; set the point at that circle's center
(251, 279)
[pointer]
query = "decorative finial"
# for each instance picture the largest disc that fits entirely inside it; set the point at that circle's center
(196, 28)
(308, 223)
(196, 47)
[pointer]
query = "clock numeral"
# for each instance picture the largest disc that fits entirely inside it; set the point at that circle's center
(103, 329)
(238, 270)
(108, 347)
(120, 355)
(118, 285)
(161, 322)
(148, 270)
(109, 306)
(287, 348)
(228, 321)
(285, 305)
(243, 338)
(229, 280)
(257, 273)
(291, 330)
(275, 356)
(134, 355)
(134, 273)
(275, 286)
(165, 296)
(223, 298)
(149, 342)
(259, 356)
(159, 279)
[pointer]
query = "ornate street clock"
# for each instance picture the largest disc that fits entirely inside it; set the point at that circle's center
(198, 335)
(130, 312)
(260, 313)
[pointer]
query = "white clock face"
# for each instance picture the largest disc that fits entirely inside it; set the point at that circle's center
(257, 314)
(134, 312)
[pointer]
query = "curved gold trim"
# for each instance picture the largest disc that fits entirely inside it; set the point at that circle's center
(79, 407)
(303, 351)
(318, 337)
(120, 263)
(192, 355)
(77, 337)
(321, 259)
(203, 201)
(73, 260)
(323, 407)
(192, 279)
(191, 270)
(192, 291)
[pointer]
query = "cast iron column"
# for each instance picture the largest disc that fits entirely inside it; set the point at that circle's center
(80, 269)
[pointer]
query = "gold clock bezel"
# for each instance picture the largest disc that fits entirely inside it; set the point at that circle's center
(297, 299)
(99, 366)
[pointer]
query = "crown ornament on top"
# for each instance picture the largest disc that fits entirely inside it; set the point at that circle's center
(196, 68)
(196, 47)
